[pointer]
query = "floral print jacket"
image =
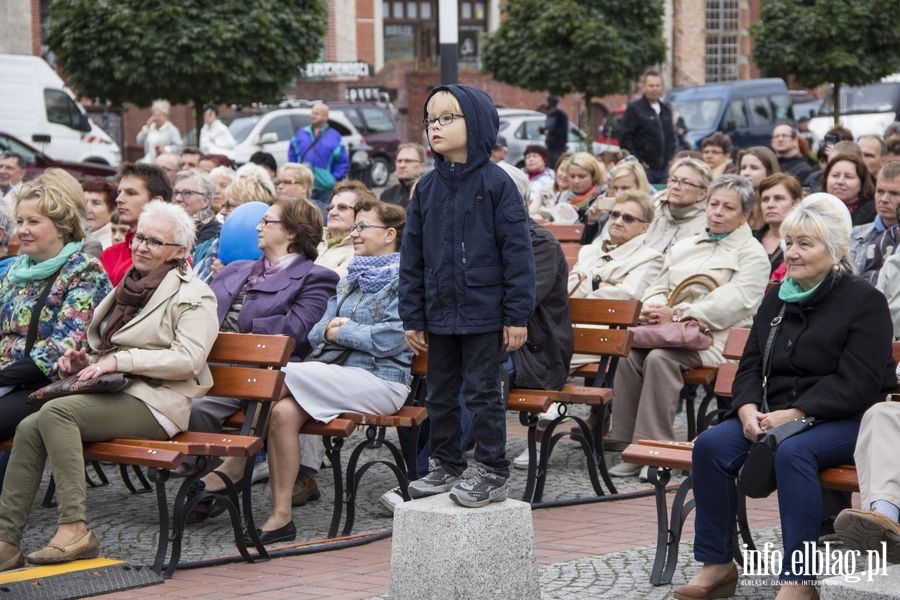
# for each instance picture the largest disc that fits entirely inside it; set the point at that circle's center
(79, 287)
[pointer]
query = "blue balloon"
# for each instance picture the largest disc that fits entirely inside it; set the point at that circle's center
(238, 237)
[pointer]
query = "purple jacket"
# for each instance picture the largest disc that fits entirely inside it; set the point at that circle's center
(289, 302)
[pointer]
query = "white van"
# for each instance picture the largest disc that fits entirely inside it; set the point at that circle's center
(35, 106)
(865, 110)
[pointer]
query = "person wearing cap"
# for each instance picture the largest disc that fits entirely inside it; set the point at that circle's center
(499, 149)
(540, 177)
(555, 130)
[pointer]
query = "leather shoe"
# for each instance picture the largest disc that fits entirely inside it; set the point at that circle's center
(86, 546)
(305, 488)
(866, 529)
(285, 533)
(724, 588)
(13, 560)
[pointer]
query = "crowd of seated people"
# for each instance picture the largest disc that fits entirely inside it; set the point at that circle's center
(745, 231)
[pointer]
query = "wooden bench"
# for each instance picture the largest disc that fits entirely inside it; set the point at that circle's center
(609, 343)
(410, 417)
(566, 233)
(665, 456)
(245, 366)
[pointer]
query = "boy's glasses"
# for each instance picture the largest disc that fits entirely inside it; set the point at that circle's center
(444, 120)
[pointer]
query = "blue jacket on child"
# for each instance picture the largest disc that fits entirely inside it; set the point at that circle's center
(466, 262)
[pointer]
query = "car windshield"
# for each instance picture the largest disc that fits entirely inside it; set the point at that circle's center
(11, 145)
(698, 115)
(378, 119)
(872, 98)
(241, 128)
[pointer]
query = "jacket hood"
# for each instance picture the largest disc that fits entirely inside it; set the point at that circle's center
(482, 124)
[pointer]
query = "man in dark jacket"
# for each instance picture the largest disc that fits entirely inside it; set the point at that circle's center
(410, 166)
(647, 130)
(556, 131)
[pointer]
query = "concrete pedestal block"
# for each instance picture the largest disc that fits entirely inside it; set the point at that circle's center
(882, 587)
(444, 551)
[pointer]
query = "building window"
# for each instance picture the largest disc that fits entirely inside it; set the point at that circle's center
(722, 27)
(411, 32)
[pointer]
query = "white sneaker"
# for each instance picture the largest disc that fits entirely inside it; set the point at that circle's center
(521, 461)
(644, 477)
(391, 499)
(545, 418)
(260, 473)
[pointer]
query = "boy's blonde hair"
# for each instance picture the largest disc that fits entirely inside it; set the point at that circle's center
(443, 102)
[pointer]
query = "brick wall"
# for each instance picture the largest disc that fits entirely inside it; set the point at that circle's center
(689, 42)
(365, 31)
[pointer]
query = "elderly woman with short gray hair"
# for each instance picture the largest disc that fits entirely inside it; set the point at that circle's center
(648, 382)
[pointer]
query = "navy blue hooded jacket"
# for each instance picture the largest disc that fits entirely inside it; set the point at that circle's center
(466, 262)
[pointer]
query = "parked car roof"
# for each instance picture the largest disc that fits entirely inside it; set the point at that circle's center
(38, 162)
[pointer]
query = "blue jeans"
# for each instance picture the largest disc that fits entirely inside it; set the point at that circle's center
(719, 453)
(465, 369)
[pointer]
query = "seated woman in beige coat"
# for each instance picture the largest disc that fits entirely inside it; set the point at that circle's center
(620, 267)
(157, 326)
(648, 381)
(680, 213)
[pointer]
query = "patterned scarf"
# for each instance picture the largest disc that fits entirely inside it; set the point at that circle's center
(263, 269)
(579, 200)
(132, 295)
(371, 273)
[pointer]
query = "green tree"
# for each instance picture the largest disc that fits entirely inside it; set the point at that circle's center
(596, 47)
(829, 41)
(220, 51)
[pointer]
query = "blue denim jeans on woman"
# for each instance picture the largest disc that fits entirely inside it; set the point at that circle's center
(719, 453)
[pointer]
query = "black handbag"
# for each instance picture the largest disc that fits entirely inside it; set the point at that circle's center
(329, 352)
(756, 478)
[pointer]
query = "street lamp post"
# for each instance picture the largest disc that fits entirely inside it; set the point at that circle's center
(448, 19)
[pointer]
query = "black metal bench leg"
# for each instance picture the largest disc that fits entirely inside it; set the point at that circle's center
(530, 420)
(162, 545)
(333, 451)
(680, 511)
(688, 392)
(703, 419)
(48, 502)
(668, 532)
(599, 426)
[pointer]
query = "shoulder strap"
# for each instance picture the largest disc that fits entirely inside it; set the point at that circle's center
(767, 357)
(703, 279)
(36, 312)
(316, 139)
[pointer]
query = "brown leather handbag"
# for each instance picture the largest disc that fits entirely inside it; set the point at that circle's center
(689, 334)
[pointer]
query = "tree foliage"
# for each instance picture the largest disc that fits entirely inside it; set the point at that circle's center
(596, 47)
(222, 51)
(829, 41)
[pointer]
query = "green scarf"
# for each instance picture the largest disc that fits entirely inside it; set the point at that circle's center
(24, 269)
(331, 242)
(791, 292)
(718, 236)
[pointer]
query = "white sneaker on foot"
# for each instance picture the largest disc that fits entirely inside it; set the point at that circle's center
(521, 461)
(391, 499)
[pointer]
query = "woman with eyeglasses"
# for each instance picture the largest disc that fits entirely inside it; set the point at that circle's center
(373, 376)
(252, 183)
(621, 266)
(50, 217)
(158, 326)
(282, 293)
(293, 181)
(648, 381)
(628, 174)
(680, 214)
(194, 192)
(336, 249)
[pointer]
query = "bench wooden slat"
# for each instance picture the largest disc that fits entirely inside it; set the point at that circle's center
(133, 455)
(579, 394)
(606, 342)
(735, 342)
(725, 379)
(336, 428)
(522, 401)
(252, 349)
(700, 376)
(658, 456)
(245, 383)
(604, 312)
(407, 416)
(842, 478)
(566, 233)
(201, 444)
